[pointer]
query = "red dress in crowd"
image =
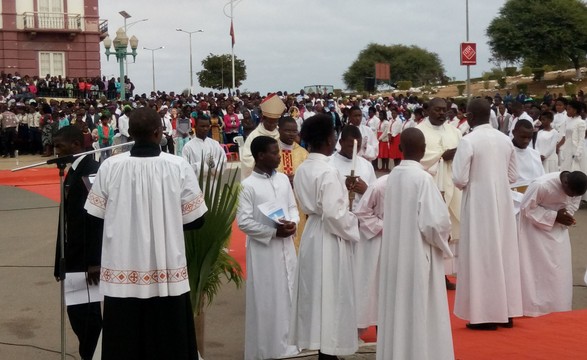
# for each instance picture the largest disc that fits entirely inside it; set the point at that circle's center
(394, 151)
(383, 144)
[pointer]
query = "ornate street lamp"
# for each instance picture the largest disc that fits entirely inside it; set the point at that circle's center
(120, 43)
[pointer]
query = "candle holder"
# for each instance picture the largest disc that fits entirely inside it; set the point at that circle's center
(353, 179)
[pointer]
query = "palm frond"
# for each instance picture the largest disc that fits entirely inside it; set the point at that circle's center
(208, 262)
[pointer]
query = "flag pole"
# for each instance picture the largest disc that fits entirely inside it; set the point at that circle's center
(232, 28)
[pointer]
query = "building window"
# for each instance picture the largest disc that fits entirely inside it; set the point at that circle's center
(50, 14)
(52, 63)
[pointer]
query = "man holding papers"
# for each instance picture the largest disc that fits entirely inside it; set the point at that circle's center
(83, 241)
(268, 214)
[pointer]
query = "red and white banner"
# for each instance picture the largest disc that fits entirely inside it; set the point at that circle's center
(468, 54)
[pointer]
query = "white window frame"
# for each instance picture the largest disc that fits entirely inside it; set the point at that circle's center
(51, 14)
(51, 69)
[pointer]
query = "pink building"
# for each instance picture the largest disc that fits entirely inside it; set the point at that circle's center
(57, 37)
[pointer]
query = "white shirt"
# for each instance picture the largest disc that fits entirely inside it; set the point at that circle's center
(546, 145)
(144, 202)
(529, 165)
(123, 125)
(344, 166)
(369, 145)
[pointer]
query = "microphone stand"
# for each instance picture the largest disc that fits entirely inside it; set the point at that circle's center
(61, 163)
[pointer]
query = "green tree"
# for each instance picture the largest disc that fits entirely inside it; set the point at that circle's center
(217, 73)
(407, 63)
(540, 32)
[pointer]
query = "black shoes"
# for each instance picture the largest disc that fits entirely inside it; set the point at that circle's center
(449, 285)
(482, 326)
(491, 326)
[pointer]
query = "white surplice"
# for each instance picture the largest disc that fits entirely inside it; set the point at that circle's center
(209, 150)
(369, 211)
(324, 314)
(344, 166)
(572, 151)
(369, 146)
(545, 247)
(247, 160)
(365, 253)
(144, 202)
(488, 286)
(271, 264)
(546, 145)
(414, 321)
(528, 165)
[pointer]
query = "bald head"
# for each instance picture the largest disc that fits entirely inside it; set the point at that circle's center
(413, 144)
(478, 110)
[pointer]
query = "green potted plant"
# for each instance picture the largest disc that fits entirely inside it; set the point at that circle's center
(209, 264)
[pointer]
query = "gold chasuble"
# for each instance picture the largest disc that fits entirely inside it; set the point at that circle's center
(291, 158)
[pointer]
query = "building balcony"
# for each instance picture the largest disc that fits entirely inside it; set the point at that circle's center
(103, 28)
(52, 22)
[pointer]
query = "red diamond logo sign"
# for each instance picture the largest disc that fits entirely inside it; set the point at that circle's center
(468, 54)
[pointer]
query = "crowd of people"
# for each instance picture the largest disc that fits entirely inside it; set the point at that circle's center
(485, 189)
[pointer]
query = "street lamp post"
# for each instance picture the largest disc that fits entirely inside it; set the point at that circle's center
(191, 64)
(121, 42)
(126, 15)
(153, 62)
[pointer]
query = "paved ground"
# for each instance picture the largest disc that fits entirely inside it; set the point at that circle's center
(30, 317)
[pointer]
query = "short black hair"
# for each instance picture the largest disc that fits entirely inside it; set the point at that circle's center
(577, 182)
(70, 134)
(350, 131)
(354, 108)
(577, 105)
(286, 120)
(523, 123)
(260, 144)
(562, 99)
(547, 114)
(316, 130)
(143, 122)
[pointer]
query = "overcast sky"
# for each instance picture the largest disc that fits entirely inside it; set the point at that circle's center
(289, 44)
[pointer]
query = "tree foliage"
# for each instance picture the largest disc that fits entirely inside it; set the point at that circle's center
(540, 32)
(217, 72)
(407, 63)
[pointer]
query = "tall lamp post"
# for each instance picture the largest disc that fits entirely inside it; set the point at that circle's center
(153, 62)
(121, 42)
(126, 15)
(191, 64)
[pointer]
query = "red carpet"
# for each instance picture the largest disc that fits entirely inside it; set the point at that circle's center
(42, 181)
(550, 337)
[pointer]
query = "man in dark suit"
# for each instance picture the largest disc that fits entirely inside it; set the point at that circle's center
(83, 238)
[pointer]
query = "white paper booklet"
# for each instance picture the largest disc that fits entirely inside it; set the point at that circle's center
(76, 290)
(273, 211)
